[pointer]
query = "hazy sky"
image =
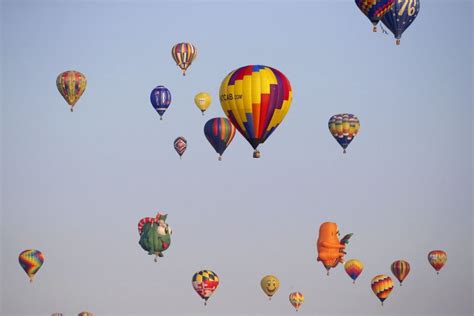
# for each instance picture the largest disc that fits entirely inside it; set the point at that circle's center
(74, 185)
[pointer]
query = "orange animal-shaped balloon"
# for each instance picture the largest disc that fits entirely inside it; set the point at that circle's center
(330, 249)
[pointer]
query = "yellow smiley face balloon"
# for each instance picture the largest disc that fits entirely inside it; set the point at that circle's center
(270, 285)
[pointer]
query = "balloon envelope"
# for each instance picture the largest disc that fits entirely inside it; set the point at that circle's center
(71, 84)
(344, 127)
(31, 261)
(400, 270)
(270, 285)
(180, 145)
(382, 285)
(203, 101)
(184, 54)
(160, 98)
(437, 259)
(205, 282)
(220, 133)
(354, 268)
(401, 16)
(296, 299)
(256, 99)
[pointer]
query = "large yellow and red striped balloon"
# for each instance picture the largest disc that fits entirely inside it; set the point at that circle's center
(256, 99)
(354, 268)
(71, 84)
(31, 261)
(400, 270)
(382, 285)
(184, 54)
(296, 299)
(437, 259)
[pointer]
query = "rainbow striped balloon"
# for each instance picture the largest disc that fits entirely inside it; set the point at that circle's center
(344, 127)
(256, 99)
(400, 270)
(31, 261)
(437, 259)
(184, 54)
(220, 133)
(296, 299)
(354, 268)
(382, 285)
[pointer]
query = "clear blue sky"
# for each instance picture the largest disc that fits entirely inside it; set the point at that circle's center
(74, 185)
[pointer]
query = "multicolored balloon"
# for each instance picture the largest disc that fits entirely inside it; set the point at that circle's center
(203, 101)
(270, 285)
(31, 261)
(205, 282)
(354, 268)
(296, 299)
(155, 235)
(382, 285)
(437, 259)
(160, 98)
(220, 133)
(71, 84)
(256, 99)
(401, 16)
(183, 54)
(180, 145)
(374, 9)
(400, 270)
(344, 127)
(84, 314)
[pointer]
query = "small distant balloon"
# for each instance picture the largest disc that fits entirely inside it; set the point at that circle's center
(160, 98)
(344, 127)
(270, 285)
(31, 261)
(184, 54)
(84, 314)
(205, 282)
(400, 270)
(219, 132)
(57, 314)
(296, 299)
(354, 268)
(437, 259)
(203, 101)
(374, 9)
(180, 145)
(382, 285)
(71, 84)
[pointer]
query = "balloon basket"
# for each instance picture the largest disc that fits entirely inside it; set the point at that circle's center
(161, 118)
(220, 158)
(256, 154)
(374, 29)
(72, 110)
(398, 42)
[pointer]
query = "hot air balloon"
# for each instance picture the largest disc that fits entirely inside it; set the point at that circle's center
(256, 99)
(84, 314)
(296, 299)
(160, 98)
(220, 133)
(382, 286)
(155, 234)
(400, 270)
(437, 259)
(270, 285)
(399, 18)
(374, 9)
(31, 261)
(330, 248)
(180, 145)
(203, 101)
(183, 54)
(344, 128)
(57, 314)
(353, 268)
(205, 282)
(71, 84)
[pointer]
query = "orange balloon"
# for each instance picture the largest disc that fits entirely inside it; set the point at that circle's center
(330, 249)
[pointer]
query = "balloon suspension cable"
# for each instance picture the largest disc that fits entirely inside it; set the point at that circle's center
(398, 42)
(374, 29)
(220, 158)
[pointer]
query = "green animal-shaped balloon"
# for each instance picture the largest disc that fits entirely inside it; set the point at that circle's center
(155, 235)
